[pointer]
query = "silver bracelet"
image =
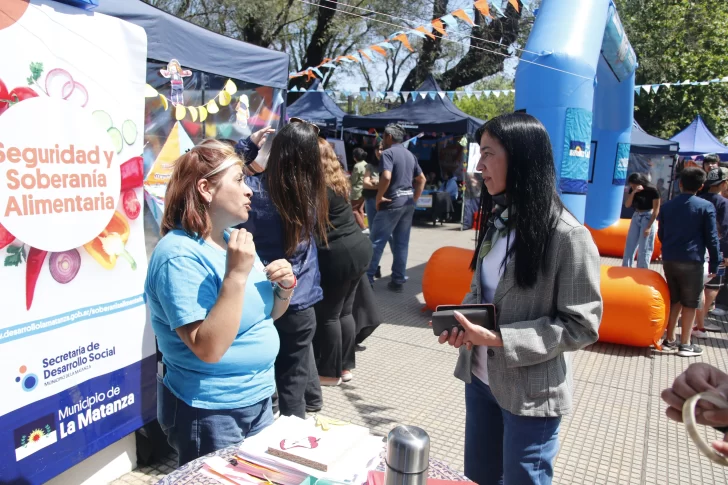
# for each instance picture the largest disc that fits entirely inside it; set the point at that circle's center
(276, 292)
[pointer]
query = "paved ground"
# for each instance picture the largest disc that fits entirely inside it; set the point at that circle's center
(617, 434)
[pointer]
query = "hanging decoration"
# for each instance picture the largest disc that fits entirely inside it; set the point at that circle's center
(654, 88)
(175, 74)
(438, 25)
(223, 98)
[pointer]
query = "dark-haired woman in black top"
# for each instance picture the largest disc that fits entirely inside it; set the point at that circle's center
(342, 263)
(645, 199)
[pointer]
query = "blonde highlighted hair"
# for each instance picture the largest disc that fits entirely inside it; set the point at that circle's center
(334, 174)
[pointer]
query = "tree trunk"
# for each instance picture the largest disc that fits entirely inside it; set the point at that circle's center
(320, 39)
(431, 50)
(479, 63)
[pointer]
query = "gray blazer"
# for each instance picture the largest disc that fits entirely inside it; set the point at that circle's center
(540, 327)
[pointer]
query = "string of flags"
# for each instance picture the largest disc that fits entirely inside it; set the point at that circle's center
(654, 88)
(440, 26)
(412, 95)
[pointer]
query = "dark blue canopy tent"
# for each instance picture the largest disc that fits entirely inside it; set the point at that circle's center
(438, 114)
(169, 37)
(643, 142)
(317, 107)
(696, 139)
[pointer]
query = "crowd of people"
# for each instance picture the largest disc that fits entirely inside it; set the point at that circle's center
(254, 286)
(253, 289)
(693, 231)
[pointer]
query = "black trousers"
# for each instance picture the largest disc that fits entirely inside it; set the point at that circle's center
(335, 339)
(295, 365)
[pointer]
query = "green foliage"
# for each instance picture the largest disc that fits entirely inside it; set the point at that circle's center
(486, 108)
(678, 41)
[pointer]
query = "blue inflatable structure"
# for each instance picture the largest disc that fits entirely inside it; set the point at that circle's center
(576, 76)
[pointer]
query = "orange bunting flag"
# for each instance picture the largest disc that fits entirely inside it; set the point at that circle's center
(463, 16)
(426, 32)
(352, 58)
(515, 5)
(482, 6)
(310, 75)
(404, 40)
(364, 55)
(379, 50)
(439, 26)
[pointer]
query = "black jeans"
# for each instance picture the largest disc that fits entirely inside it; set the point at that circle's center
(335, 339)
(294, 364)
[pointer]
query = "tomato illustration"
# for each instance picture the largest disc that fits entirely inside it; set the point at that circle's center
(131, 204)
(4, 95)
(21, 93)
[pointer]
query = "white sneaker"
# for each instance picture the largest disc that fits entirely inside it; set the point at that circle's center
(711, 327)
(699, 333)
(365, 231)
(718, 312)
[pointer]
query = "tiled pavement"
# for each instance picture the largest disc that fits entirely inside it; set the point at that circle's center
(618, 433)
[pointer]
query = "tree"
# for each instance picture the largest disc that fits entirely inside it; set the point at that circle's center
(678, 41)
(316, 30)
(489, 107)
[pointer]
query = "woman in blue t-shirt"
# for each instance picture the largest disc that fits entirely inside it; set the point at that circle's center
(212, 305)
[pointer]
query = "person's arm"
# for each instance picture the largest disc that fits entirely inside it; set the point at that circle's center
(575, 323)
(184, 286)
(281, 273)
(368, 183)
(386, 164)
(660, 227)
(419, 186)
(385, 178)
(630, 198)
(711, 239)
(655, 213)
(248, 147)
(721, 215)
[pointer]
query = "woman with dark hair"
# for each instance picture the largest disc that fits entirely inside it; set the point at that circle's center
(645, 199)
(540, 268)
(342, 263)
(288, 213)
(212, 308)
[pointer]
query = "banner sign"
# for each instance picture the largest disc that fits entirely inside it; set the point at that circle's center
(78, 359)
(620, 164)
(577, 151)
(616, 49)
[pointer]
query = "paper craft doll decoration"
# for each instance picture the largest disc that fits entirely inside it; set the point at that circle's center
(175, 73)
(242, 111)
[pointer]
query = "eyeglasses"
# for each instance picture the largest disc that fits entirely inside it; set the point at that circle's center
(299, 120)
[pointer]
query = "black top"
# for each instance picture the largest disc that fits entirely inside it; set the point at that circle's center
(343, 229)
(642, 200)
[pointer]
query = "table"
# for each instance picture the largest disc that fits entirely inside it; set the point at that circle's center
(187, 474)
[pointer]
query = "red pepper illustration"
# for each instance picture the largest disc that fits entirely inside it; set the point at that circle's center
(132, 173)
(309, 442)
(34, 264)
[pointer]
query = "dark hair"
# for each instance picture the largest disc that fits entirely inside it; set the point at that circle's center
(692, 179)
(360, 154)
(641, 179)
(296, 185)
(183, 204)
(711, 158)
(534, 203)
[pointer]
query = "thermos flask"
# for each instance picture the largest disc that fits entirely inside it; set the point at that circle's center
(408, 456)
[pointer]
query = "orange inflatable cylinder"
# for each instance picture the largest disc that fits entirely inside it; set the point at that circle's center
(636, 306)
(611, 240)
(636, 301)
(447, 277)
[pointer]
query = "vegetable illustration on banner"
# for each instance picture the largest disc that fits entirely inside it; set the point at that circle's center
(78, 356)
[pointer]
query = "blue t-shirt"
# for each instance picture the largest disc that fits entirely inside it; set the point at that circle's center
(404, 167)
(184, 279)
